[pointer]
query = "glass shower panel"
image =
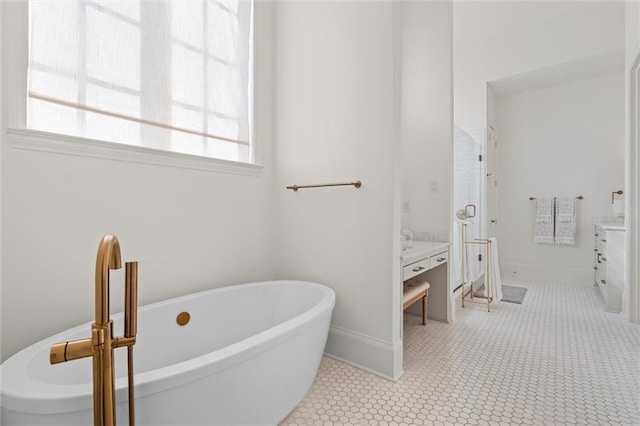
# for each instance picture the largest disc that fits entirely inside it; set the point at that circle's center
(467, 199)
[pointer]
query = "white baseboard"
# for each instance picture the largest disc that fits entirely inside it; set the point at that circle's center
(580, 275)
(367, 353)
(456, 304)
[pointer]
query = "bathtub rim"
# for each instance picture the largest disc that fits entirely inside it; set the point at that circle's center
(55, 398)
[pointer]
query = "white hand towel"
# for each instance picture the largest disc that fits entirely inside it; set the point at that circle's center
(493, 276)
(565, 220)
(543, 232)
(618, 207)
(544, 209)
(565, 209)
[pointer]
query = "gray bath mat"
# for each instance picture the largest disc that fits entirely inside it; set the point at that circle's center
(510, 294)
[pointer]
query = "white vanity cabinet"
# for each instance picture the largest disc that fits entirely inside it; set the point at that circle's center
(429, 259)
(608, 268)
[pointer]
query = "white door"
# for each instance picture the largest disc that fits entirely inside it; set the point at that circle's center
(491, 182)
(468, 180)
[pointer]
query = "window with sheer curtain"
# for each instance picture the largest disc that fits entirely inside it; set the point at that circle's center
(170, 75)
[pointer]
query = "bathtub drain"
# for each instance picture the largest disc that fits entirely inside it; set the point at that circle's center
(183, 318)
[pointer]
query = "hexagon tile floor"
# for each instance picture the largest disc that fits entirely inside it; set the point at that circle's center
(557, 359)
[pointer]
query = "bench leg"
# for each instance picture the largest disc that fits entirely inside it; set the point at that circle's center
(424, 310)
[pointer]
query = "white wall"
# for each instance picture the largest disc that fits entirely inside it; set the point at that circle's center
(632, 181)
(2, 142)
(562, 140)
(189, 229)
(426, 114)
(335, 99)
(632, 30)
(582, 30)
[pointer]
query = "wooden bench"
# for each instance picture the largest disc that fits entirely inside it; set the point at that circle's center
(414, 290)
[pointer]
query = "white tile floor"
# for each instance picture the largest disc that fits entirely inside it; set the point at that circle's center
(556, 359)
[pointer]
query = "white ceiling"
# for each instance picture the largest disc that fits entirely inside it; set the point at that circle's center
(476, 21)
(582, 69)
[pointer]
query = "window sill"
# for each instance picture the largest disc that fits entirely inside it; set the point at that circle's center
(37, 140)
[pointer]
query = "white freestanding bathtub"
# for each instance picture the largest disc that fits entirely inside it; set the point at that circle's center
(248, 355)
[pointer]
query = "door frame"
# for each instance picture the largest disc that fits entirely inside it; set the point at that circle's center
(631, 190)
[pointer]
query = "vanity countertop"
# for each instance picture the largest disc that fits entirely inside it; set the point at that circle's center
(418, 250)
(610, 225)
(613, 226)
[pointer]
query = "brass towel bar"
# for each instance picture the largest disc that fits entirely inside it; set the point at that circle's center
(579, 197)
(357, 184)
(489, 284)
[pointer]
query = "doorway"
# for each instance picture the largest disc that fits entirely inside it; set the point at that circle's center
(468, 206)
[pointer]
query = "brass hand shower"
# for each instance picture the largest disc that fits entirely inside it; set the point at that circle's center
(102, 343)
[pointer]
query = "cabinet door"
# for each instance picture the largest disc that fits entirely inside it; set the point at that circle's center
(597, 255)
(616, 259)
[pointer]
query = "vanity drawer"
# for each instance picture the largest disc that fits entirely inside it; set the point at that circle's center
(416, 268)
(439, 259)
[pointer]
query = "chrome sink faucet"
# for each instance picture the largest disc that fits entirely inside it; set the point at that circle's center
(101, 344)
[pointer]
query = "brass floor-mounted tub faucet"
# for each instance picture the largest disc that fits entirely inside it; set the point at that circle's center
(102, 343)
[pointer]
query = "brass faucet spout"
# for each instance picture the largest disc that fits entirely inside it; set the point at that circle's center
(108, 258)
(102, 342)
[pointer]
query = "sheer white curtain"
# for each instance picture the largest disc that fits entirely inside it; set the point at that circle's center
(172, 75)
